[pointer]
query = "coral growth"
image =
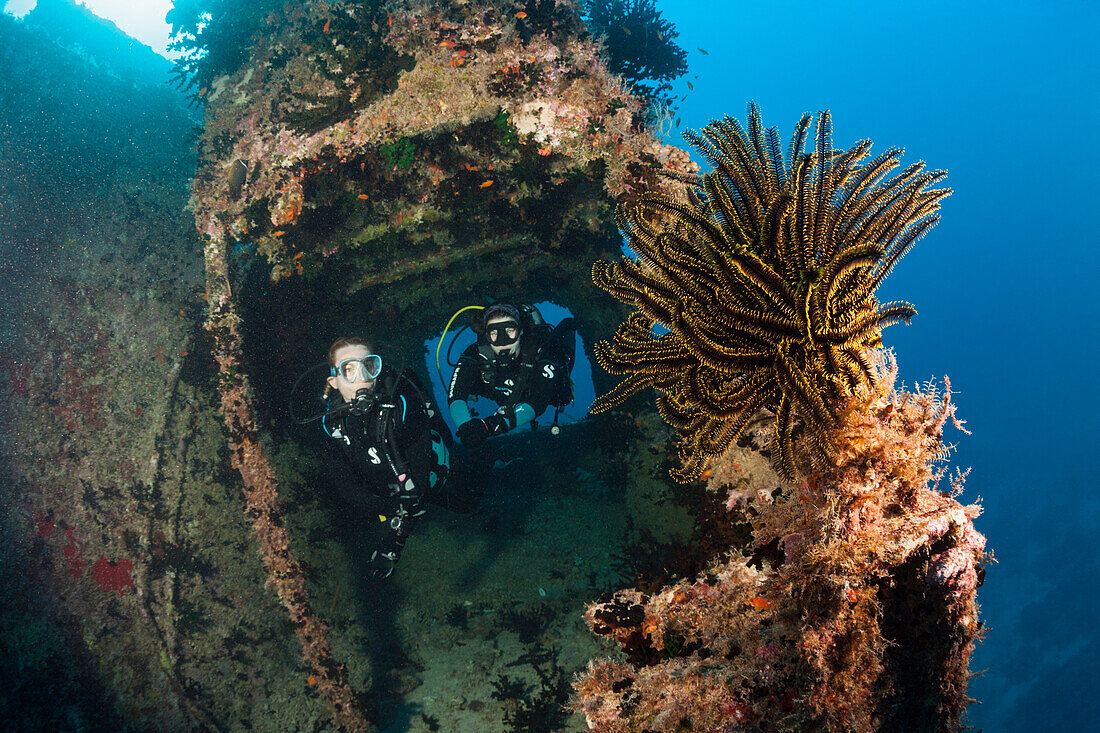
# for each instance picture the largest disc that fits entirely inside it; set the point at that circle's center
(471, 147)
(852, 609)
(765, 283)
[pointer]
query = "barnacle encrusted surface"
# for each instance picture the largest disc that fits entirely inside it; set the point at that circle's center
(765, 282)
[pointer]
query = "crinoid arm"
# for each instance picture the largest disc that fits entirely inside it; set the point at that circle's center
(764, 274)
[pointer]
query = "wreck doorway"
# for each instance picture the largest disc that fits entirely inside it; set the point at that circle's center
(357, 174)
(481, 622)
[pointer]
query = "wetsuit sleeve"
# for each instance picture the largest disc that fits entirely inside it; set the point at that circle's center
(412, 430)
(464, 382)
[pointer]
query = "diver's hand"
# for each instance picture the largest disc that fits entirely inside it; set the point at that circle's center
(473, 432)
(496, 424)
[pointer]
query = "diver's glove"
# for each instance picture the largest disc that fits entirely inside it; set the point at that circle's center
(382, 563)
(497, 424)
(476, 431)
(384, 559)
(473, 433)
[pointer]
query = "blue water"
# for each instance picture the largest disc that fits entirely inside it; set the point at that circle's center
(1004, 95)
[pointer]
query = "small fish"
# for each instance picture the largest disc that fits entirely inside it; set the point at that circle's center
(311, 680)
(456, 61)
(238, 171)
(760, 604)
(327, 23)
(626, 30)
(446, 44)
(706, 474)
(278, 233)
(299, 255)
(677, 121)
(462, 52)
(364, 196)
(703, 51)
(202, 92)
(390, 19)
(521, 15)
(469, 167)
(544, 151)
(691, 86)
(487, 183)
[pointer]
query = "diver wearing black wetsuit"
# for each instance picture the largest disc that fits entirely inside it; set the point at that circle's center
(391, 451)
(520, 363)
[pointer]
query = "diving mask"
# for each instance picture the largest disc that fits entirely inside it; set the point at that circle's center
(366, 368)
(504, 333)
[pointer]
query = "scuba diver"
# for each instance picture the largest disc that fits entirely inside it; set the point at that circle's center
(390, 446)
(519, 362)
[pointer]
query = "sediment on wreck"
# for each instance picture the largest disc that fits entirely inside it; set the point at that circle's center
(369, 166)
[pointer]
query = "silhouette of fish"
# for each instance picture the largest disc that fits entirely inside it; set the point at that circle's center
(238, 171)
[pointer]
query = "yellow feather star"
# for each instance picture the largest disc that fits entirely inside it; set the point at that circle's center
(765, 280)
